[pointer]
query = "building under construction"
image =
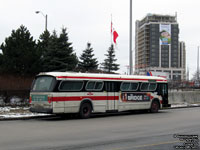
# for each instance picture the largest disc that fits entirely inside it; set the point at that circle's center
(157, 47)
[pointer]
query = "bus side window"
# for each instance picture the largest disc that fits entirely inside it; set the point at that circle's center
(148, 86)
(144, 86)
(152, 86)
(94, 86)
(125, 86)
(129, 86)
(98, 85)
(134, 86)
(70, 86)
(90, 85)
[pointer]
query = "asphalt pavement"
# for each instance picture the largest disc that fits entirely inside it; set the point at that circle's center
(125, 131)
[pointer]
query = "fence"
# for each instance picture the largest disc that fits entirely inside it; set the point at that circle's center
(14, 89)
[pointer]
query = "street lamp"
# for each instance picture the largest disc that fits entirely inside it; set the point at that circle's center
(45, 16)
(130, 43)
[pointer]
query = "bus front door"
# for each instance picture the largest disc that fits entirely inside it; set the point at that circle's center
(163, 91)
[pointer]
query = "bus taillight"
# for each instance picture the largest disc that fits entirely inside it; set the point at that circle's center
(49, 99)
(30, 100)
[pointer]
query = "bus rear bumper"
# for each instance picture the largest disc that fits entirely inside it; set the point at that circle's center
(41, 110)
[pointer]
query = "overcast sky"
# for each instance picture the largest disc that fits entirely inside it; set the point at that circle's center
(89, 21)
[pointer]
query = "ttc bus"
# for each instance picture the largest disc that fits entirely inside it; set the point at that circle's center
(86, 93)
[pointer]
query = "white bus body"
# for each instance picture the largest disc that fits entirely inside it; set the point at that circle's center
(86, 93)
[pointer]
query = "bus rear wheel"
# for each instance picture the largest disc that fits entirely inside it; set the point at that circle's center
(154, 107)
(85, 111)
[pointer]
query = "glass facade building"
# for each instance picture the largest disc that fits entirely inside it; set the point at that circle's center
(157, 46)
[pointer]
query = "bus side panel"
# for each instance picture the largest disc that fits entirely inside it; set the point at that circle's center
(72, 106)
(105, 101)
(58, 107)
(112, 101)
(58, 103)
(135, 102)
(98, 100)
(70, 102)
(133, 106)
(73, 101)
(99, 106)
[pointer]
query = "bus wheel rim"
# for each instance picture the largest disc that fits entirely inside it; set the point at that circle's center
(155, 106)
(86, 111)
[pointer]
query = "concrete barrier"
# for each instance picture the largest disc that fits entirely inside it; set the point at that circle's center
(180, 97)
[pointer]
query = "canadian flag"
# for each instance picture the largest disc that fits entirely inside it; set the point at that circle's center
(114, 33)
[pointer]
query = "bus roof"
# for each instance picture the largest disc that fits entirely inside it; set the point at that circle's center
(99, 76)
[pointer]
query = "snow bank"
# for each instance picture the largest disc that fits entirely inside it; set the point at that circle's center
(184, 105)
(17, 112)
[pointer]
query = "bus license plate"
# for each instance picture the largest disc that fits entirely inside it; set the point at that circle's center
(39, 98)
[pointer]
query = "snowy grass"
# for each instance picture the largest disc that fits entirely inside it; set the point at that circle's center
(19, 115)
(17, 112)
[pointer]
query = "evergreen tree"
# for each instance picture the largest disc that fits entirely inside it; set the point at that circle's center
(43, 44)
(60, 55)
(195, 76)
(87, 62)
(43, 41)
(20, 54)
(1, 62)
(109, 64)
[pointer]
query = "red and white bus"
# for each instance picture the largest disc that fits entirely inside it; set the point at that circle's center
(86, 93)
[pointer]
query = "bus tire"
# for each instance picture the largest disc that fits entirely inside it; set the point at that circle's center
(85, 110)
(154, 107)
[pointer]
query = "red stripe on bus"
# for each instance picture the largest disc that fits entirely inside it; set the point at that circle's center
(79, 98)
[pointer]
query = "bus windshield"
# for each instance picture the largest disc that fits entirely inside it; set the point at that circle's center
(43, 84)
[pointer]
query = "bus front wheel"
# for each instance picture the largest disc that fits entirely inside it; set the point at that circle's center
(154, 107)
(85, 111)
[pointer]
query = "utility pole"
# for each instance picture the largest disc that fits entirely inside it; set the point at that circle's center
(198, 64)
(130, 46)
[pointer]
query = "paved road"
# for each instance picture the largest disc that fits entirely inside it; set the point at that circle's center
(138, 131)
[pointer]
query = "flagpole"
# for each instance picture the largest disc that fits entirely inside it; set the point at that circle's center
(130, 50)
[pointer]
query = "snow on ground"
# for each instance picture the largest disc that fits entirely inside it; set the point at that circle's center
(19, 115)
(17, 112)
(184, 105)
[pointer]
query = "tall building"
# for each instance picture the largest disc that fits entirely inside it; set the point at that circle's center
(157, 47)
